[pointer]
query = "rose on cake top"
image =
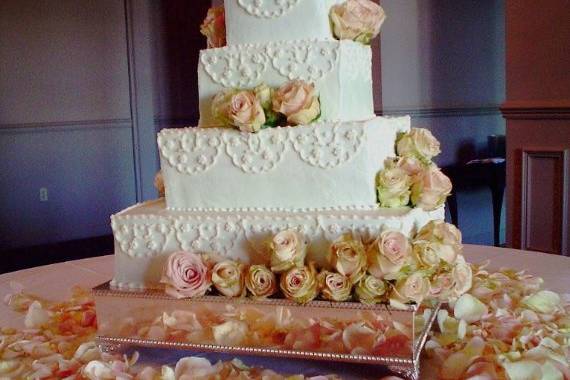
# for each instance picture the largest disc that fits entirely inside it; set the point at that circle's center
(357, 20)
(214, 27)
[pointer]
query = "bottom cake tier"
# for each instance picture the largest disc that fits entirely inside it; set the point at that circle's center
(145, 234)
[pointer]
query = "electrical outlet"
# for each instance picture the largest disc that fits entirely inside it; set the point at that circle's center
(43, 194)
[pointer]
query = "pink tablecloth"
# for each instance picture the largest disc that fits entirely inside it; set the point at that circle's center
(54, 281)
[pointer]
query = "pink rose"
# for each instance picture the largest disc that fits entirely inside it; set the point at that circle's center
(185, 275)
(388, 254)
(297, 100)
(245, 112)
(430, 189)
(214, 27)
(357, 20)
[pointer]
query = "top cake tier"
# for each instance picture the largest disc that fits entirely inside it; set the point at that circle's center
(261, 21)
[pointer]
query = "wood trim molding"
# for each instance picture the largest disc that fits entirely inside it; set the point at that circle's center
(536, 109)
(58, 126)
(422, 112)
(564, 157)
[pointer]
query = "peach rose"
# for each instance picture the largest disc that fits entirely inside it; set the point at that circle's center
(214, 27)
(288, 250)
(462, 276)
(414, 288)
(185, 275)
(260, 281)
(245, 112)
(300, 284)
(430, 189)
(228, 278)
(441, 232)
(334, 286)
(393, 187)
(297, 100)
(348, 257)
(419, 143)
(410, 165)
(357, 20)
(388, 254)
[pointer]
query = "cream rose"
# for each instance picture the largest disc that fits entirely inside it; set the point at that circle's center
(393, 187)
(185, 275)
(288, 250)
(297, 100)
(370, 290)
(245, 112)
(348, 257)
(388, 254)
(438, 239)
(300, 284)
(334, 286)
(430, 189)
(228, 278)
(414, 288)
(220, 107)
(214, 27)
(462, 276)
(260, 281)
(419, 143)
(357, 20)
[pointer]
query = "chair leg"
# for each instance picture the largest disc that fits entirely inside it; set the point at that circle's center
(497, 193)
(452, 204)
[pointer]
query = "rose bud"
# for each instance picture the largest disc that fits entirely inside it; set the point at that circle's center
(348, 257)
(300, 284)
(246, 112)
(260, 281)
(414, 288)
(214, 27)
(393, 187)
(288, 250)
(228, 278)
(370, 290)
(334, 286)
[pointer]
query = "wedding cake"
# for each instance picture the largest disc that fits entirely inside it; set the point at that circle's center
(287, 139)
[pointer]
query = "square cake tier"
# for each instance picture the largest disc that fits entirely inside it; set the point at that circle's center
(254, 21)
(321, 166)
(341, 72)
(147, 233)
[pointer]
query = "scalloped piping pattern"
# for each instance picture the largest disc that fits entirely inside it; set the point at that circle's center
(146, 236)
(243, 66)
(191, 151)
(267, 8)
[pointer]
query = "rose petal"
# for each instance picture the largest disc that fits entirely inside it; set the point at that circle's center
(469, 308)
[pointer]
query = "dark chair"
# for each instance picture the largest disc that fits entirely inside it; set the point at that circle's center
(489, 172)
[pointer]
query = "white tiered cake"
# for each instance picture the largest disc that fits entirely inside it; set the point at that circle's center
(228, 191)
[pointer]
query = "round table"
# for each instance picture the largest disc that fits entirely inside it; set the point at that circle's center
(55, 281)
